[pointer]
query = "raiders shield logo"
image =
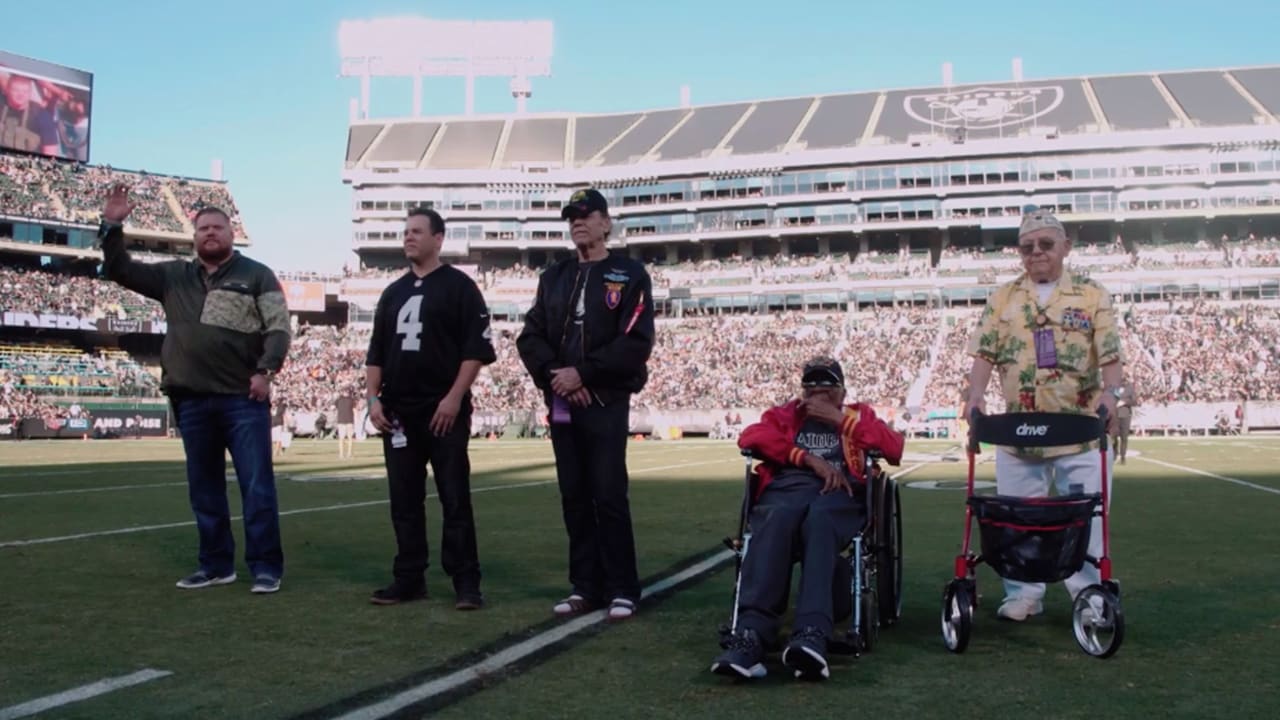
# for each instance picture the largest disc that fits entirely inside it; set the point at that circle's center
(983, 108)
(613, 295)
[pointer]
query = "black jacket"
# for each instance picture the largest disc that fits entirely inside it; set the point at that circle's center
(617, 328)
(222, 328)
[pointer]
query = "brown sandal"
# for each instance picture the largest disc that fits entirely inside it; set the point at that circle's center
(575, 604)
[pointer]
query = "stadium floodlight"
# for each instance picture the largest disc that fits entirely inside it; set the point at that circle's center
(420, 47)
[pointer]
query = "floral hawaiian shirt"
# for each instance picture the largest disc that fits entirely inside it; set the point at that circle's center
(1082, 320)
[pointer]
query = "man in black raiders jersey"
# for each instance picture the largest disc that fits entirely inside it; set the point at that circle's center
(430, 338)
(586, 343)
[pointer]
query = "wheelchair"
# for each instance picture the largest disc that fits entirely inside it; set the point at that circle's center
(871, 571)
(1041, 540)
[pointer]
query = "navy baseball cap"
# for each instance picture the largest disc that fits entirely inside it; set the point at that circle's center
(583, 202)
(822, 372)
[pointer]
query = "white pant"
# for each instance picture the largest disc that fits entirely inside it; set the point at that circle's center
(1031, 477)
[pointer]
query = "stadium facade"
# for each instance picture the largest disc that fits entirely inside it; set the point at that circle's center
(1143, 160)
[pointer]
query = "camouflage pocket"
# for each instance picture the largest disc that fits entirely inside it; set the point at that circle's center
(231, 310)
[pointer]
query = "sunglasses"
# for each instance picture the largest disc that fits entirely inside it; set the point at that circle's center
(1045, 245)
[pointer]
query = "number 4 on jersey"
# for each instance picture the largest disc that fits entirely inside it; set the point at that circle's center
(409, 325)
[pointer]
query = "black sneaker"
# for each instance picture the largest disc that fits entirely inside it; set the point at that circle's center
(395, 593)
(744, 658)
(201, 579)
(806, 654)
(468, 600)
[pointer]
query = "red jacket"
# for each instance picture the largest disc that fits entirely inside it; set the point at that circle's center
(773, 439)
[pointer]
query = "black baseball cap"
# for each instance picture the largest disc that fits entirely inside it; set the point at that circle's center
(822, 372)
(583, 202)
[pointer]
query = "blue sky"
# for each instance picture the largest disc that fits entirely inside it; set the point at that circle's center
(255, 83)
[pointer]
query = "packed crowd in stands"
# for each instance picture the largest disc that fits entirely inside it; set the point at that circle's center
(24, 404)
(21, 188)
(35, 291)
(1205, 351)
(81, 189)
(1176, 352)
(1249, 251)
(747, 361)
(194, 197)
(323, 363)
(47, 189)
(1194, 351)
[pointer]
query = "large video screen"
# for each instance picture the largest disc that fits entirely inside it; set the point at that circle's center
(44, 108)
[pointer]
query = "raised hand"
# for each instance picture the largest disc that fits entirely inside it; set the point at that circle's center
(118, 206)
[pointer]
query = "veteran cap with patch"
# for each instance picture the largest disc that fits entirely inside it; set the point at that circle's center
(583, 202)
(1037, 219)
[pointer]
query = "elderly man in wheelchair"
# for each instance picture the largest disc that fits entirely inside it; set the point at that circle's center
(811, 498)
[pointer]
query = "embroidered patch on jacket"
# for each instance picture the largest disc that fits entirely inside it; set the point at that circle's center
(231, 310)
(617, 275)
(613, 295)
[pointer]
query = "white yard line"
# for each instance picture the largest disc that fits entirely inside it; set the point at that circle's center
(907, 471)
(89, 468)
(84, 692)
(77, 491)
(303, 511)
(1215, 476)
(496, 662)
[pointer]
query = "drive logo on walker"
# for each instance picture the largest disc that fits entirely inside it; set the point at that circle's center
(1025, 430)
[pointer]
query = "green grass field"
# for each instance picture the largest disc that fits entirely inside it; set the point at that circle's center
(1197, 558)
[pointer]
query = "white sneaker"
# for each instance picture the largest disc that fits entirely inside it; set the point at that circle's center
(201, 579)
(1018, 609)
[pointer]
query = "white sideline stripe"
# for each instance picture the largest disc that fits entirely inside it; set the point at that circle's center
(89, 468)
(1215, 476)
(84, 692)
(76, 491)
(907, 471)
(303, 511)
(302, 477)
(498, 661)
(481, 465)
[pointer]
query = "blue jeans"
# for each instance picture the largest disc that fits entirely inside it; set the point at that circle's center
(211, 425)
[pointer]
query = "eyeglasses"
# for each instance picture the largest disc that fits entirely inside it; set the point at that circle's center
(1045, 245)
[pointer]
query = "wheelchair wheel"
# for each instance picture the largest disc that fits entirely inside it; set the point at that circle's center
(957, 615)
(1098, 621)
(889, 554)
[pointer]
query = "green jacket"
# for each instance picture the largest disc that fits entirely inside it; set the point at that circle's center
(222, 328)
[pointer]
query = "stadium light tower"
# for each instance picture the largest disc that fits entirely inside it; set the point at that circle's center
(419, 47)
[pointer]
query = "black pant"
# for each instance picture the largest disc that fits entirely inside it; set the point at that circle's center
(407, 479)
(793, 516)
(591, 465)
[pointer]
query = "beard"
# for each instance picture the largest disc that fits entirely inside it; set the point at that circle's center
(216, 256)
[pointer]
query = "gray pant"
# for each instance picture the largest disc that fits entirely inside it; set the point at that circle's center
(1124, 425)
(793, 518)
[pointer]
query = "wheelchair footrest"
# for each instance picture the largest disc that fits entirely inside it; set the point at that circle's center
(844, 644)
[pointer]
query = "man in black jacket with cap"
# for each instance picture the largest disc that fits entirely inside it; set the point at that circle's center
(586, 342)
